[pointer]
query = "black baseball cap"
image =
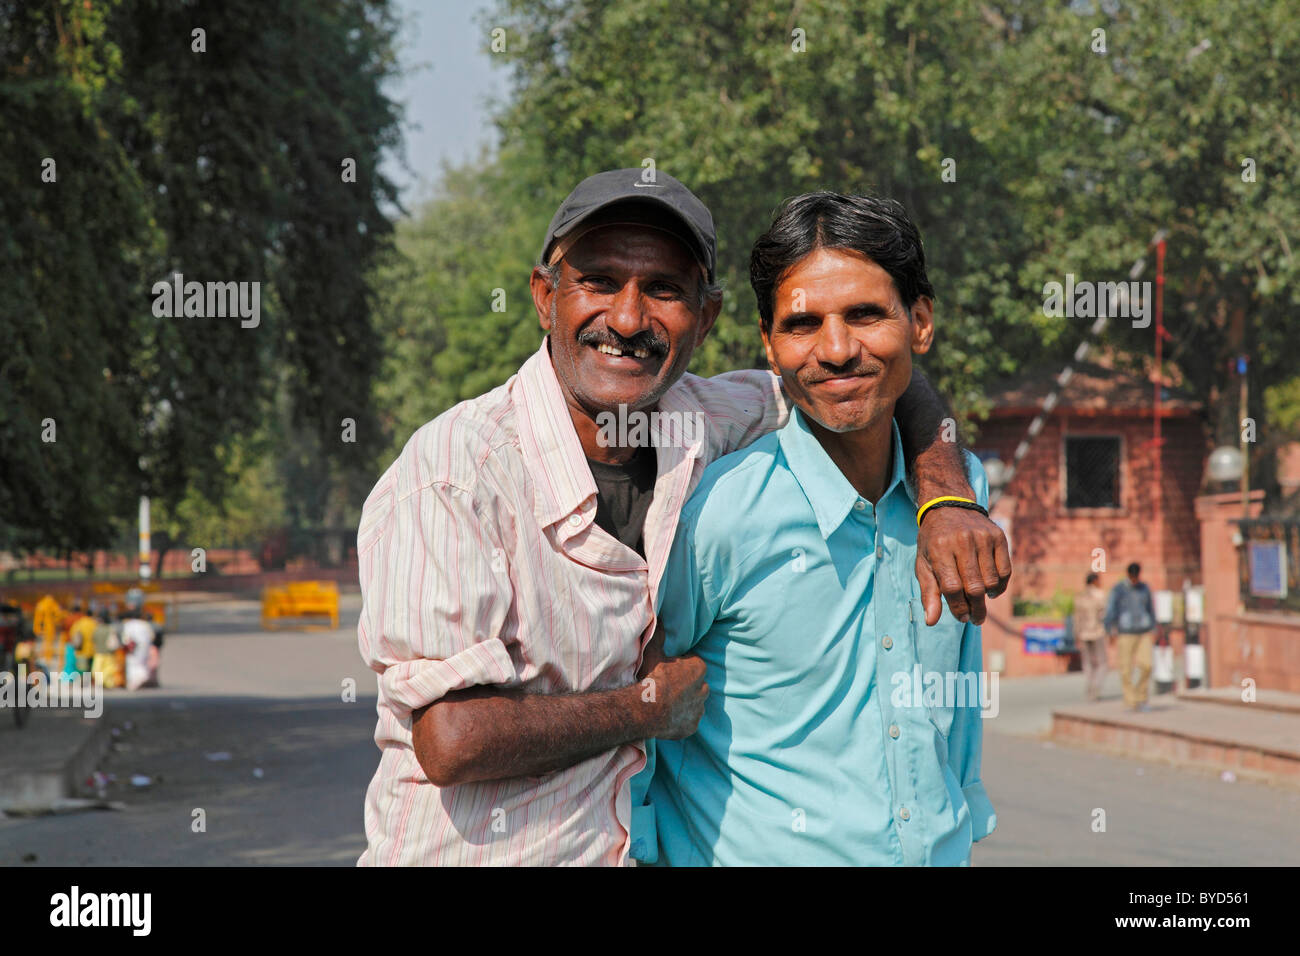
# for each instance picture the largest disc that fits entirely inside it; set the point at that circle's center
(659, 193)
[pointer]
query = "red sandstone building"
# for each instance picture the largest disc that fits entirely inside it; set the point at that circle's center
(1084, 496)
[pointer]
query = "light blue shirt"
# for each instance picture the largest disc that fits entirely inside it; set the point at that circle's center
(832, 733)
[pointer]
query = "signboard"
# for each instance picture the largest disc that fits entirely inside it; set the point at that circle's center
(1043, 638)
(1268, 569)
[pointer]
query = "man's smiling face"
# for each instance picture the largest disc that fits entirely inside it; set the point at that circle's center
(841, 339)
(624, 316)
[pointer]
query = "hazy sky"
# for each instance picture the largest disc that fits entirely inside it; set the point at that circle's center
(449, 78)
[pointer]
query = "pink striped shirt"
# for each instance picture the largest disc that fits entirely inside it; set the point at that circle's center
(481, 564)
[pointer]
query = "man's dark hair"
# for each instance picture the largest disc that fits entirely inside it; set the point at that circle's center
(873, 227)
(1134, 569)
(1092, 578)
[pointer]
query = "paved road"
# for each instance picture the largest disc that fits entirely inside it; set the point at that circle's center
(274, 702)
(1156, 815)
(1046, 795)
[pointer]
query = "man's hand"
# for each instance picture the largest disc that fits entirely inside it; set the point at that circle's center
(964, 556)
(959, 553)
(675, 686)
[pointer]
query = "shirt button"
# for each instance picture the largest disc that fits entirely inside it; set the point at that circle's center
(859, 505)
(903, 814)
(880, 552)
(893, 731)
(886, 642)
(575, 520)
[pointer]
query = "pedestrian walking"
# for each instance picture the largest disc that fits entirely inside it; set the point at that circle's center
(1131, 620)
(1090, 633)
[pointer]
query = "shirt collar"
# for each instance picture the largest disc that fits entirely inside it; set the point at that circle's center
(550, 444)
(831, 495)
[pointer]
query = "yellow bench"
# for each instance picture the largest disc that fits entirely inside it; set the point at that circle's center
(300, 599)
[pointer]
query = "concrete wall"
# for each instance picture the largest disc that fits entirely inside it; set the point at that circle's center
(1240, 644)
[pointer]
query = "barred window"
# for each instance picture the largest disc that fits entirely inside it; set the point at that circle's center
(1092, 472)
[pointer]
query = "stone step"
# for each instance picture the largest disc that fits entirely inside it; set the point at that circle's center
(1249, 741)
(1265, 699)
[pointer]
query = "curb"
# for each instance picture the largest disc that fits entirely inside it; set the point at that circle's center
(33, 789)
(1260, 763)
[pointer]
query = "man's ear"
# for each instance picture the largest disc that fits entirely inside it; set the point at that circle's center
(767, 348)
(708, 315)
(922, 324)
(543, 294)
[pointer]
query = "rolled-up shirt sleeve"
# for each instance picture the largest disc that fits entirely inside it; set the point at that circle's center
(436, 595)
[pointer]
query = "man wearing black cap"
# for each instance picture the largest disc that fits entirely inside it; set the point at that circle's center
(510, 557)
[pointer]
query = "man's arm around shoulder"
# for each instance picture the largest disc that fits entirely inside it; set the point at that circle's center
(960, 554)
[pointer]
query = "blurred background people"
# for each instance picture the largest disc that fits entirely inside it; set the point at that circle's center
(1131, 619)
(141, 656)
(81, 641)
(107, 647)
(1090, 633)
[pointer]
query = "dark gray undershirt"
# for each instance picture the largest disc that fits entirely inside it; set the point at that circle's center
(623, 496)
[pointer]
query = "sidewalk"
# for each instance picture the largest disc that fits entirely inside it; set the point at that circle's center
(1212, 730)
(1204, 729)
(47, 760)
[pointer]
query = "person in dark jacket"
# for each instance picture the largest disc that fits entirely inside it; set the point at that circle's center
(1131, 620)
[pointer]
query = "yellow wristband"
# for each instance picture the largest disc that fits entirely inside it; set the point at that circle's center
(935, 501)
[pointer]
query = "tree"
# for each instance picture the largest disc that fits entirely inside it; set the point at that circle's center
(450, 334)
(232, 142)
(1186, 122)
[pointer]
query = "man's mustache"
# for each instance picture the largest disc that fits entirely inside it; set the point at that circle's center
(815, 378)
(647, 341)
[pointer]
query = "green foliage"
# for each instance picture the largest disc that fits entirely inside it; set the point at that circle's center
(445, 342)
(1060, 605)
(1153, 134)
(1066, 160)
(1282, 403)
(253, 508)
(221, 165)
(73, 257)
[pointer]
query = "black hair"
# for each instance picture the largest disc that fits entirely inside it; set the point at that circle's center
(869, 225)
(1134, 569)
(1092, 578)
